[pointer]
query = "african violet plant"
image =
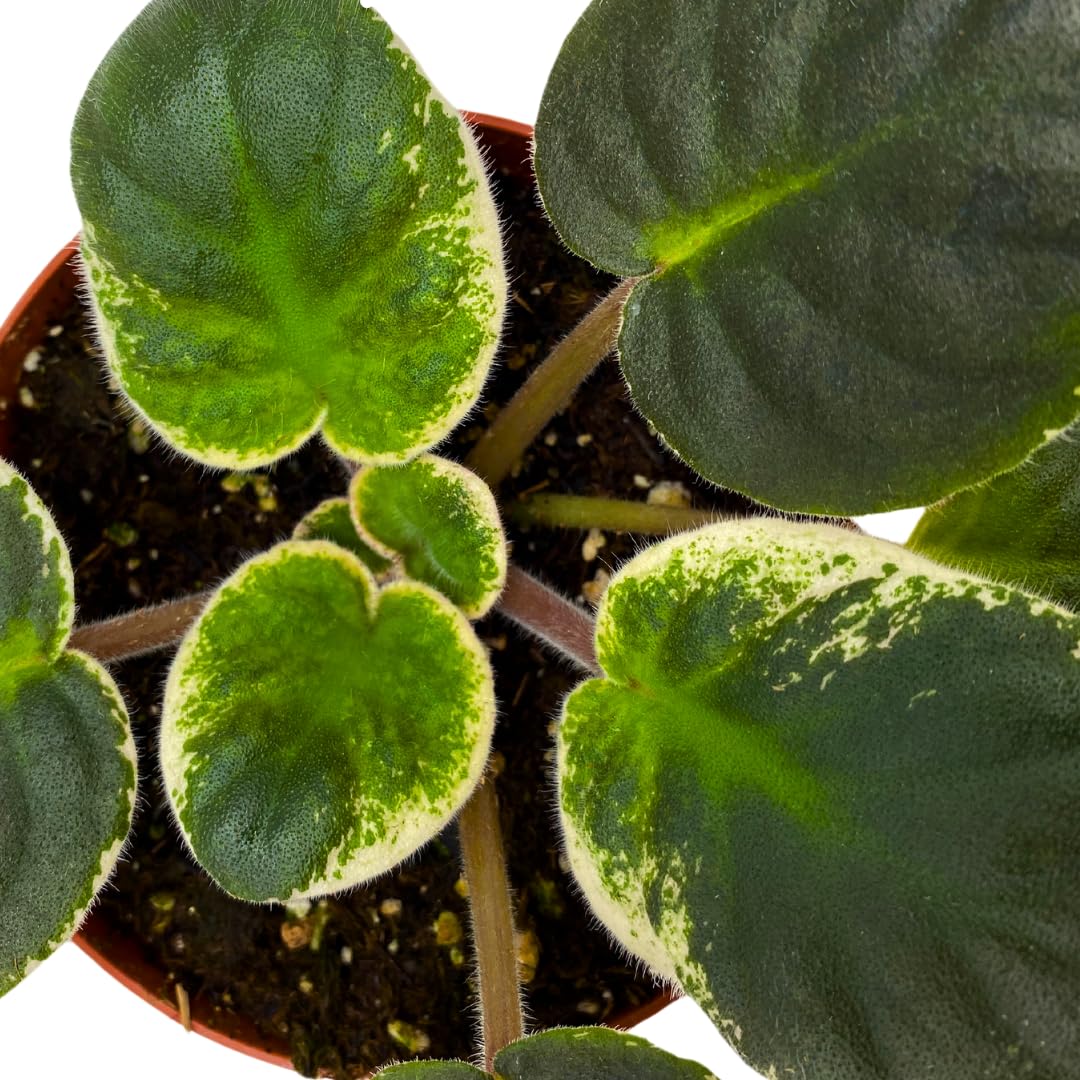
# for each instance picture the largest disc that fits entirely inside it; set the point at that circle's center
(824, 784)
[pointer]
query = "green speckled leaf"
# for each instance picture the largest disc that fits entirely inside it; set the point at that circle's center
(1022, 527)
(37, 601)
(441, 519)
(317, 731)
(285, 229)
(331, 520)
(67, 759)
(856, 224)
(830, 788)
(432, 1070)
(592, 1053)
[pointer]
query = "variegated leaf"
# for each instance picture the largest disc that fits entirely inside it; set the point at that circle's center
(285, 229)
(432, 1070)
(318, 730)
(331, 520)
(831, 789)
(67, 759)
(590, 1053)
(441, 520)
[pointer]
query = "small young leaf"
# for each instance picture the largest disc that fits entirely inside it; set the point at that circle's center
(831, 788)
(331, 520)
(67, 759)
(856, 227)
(317, 731)
(592, 1053)
(285, 229)
(1021, 528)
(443, 522)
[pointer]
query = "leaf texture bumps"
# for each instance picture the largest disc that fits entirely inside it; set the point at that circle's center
(829, 787)
(285, 230)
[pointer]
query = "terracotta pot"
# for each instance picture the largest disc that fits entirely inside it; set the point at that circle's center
(506, 144)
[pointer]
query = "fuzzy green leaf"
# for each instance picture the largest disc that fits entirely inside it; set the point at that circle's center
(441, 519)
(285, 229)
(856, 225)
(1022, 527)
(67, 759)
(331, 520)
(592, 1053)
(317, 731)
(37, 599)
(432, 1070)
(831, 788)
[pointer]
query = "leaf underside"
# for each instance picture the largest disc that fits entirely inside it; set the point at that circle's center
(830, 788)
(1021, 528)
(67, 760)
(317, 730)
(856, 225)
(285, 228)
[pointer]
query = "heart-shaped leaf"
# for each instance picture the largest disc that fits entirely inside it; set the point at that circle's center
(1022, 527)
(316, 731)
(285, 229)
(831, 788)
(856, 225)
(332, 520)
(67, 759)
(441, 520)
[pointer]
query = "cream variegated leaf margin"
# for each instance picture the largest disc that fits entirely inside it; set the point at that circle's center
(286, 230)
(317, 729)
(67, 758)
(830, 789)
(331, 520)
(441, 522)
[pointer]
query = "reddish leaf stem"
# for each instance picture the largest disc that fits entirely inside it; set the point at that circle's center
(526, 601)
(143, 630)
(549, 388)
(492, 922)
(557, 622)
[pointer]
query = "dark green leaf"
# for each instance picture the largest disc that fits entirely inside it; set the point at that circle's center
(67, 759)
(857, 225)
(1022, 527)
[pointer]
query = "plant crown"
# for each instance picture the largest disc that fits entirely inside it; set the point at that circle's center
(824, 784)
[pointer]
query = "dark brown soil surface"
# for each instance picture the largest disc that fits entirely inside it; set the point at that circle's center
(364, 977)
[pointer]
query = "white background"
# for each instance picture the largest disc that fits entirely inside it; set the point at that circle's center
(68, 1018)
